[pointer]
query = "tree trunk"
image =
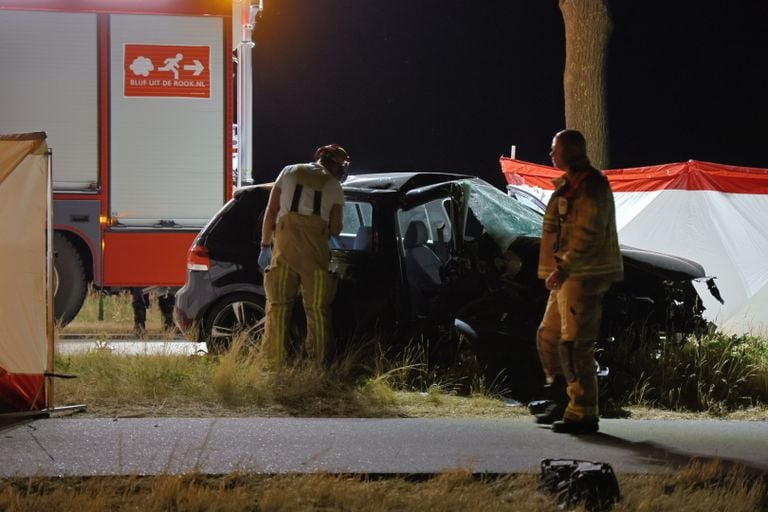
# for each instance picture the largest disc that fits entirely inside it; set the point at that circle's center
(587, 29)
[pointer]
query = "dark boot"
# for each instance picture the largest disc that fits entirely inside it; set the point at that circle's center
(547, 395)
(553, 412)
(554, 407)
(166, 303)
(585, 426)
(139, 313)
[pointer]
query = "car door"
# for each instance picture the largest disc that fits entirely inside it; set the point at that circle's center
(427, 222)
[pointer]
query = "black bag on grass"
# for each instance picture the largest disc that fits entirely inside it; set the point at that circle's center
(574, 481)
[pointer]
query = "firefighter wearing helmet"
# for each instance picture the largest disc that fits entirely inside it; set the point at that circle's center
(303, 212)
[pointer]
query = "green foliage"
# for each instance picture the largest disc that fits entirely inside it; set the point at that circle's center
(714, 373)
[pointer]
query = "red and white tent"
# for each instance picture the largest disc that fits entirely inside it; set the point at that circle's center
(711, 213)
(25, 307)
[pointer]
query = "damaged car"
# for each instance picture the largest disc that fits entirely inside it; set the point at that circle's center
(444, 258)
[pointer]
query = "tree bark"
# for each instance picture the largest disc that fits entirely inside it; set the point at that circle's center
(587, 30)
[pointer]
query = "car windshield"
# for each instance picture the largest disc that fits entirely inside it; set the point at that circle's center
(502, 217)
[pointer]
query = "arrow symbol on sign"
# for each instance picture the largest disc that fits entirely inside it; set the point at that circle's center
(197, 67)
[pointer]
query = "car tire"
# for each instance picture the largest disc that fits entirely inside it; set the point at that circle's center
(69, 283)
(235, 315)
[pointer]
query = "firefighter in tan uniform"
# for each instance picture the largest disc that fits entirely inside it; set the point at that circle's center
(579, 259)
(304, 210)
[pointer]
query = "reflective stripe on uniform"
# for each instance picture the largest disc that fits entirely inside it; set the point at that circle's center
(322, 328)
(282, 287)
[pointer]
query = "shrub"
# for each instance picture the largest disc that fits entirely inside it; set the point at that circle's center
(715, 373)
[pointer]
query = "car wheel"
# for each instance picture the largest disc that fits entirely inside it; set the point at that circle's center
(69, 283)
(240, 314)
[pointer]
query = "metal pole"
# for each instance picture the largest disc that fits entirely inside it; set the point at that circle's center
(244, 116)
(49, 283)
(246, 17)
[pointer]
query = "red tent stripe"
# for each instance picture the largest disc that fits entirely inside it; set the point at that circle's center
(691, 175)
(21, 392)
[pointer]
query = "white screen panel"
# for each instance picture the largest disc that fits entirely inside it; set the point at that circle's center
(49, 82)
(167, 152)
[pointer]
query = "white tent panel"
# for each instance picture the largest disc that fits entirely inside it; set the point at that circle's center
(628, 206)
(703, 226)
(751, 317)
(714, 214)
(23, 207)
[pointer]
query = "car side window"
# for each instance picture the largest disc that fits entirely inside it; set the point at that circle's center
(435, 232)
(472, 229)
(527, 199)
(357, 230)
(425, 233)
(236, 228)
(407, 217)
(440, 222)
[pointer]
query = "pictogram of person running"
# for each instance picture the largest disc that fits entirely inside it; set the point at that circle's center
(172, 64)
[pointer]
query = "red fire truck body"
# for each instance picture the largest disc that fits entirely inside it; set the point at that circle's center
(137, 100)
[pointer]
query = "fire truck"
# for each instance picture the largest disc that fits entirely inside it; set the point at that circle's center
(138, 99)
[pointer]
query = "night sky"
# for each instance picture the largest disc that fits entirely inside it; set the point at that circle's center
(450, 85)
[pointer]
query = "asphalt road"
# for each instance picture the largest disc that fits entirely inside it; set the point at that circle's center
(71, 446)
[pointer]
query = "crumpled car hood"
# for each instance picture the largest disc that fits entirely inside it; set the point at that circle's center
(664, 261)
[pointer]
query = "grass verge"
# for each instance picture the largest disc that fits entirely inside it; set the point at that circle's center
(709, 487)
(717, 375)
(239, 383)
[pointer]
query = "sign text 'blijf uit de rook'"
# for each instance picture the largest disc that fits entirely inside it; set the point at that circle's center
(167, 71)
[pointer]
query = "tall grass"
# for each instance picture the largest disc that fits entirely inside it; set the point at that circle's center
(714, 373)
(362, 382)
(120, 384)
(709, 487)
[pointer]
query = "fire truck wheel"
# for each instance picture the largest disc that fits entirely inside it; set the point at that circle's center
(69, 284)
(236, 315)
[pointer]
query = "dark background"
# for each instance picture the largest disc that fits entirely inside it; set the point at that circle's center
(450, 85)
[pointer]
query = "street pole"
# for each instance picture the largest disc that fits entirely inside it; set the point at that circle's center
(243, 20)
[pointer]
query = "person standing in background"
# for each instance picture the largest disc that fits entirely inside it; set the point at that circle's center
(579, 259)
(140, 304)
